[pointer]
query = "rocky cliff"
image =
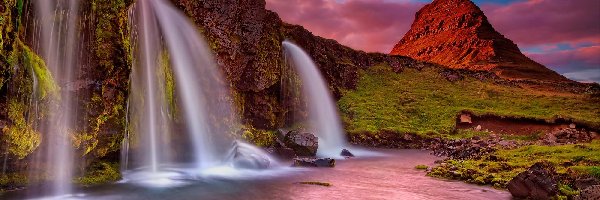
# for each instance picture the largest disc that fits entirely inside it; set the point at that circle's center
(246, 39)
(457, 34)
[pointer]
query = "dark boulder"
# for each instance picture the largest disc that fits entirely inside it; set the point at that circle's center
(592, 193)
(346, 153)
(538, 182)
(284, 153)
(303, 143)
(583, 183)
(314, 162)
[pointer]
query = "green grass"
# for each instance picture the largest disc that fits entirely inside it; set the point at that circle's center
(421, 167)
(100, 173)
(425, 103)
(581, 159)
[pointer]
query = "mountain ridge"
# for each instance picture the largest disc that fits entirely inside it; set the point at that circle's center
(457, 34)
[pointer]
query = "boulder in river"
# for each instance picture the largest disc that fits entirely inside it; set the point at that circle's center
(303, 143)
(538, 182)
(346, 153)
(314, 162)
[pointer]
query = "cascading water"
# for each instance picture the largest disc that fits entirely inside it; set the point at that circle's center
(323, 115)
(59, 41)
(167, 44)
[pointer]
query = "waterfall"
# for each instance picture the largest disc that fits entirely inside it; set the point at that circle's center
(166, 43)
(323, 114)
(59, 40)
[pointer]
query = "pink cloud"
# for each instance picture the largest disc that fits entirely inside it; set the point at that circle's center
(377, 25)
(537, 22)
(565, 60)
(370, 25)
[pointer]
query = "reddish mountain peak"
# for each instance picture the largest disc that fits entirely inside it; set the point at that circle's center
(457, 34)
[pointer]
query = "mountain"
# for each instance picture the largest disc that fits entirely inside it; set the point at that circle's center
(457, 34)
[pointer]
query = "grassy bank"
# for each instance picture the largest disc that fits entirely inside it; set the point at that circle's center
(424, 102)
(499, 168)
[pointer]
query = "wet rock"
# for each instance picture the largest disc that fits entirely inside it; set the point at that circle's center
(346, 153)
(592, 193)
(584, 183)
(538, 182)
(284, 152)
(303, 143)
(252, 162)
(314, 162)
(465, 119)
(567, 136)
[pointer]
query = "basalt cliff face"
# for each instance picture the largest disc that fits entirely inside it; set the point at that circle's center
(457, 34)
(246, 39)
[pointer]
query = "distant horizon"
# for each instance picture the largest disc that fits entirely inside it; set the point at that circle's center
(563, 36)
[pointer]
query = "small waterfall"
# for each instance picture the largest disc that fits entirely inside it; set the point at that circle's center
(59, 40)
(323, 114)
(166, 43)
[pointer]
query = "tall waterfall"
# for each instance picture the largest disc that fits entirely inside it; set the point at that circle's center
(323, 114)
(170, 53)
(59, 41)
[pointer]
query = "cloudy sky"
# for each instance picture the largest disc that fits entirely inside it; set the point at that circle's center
(561, 34)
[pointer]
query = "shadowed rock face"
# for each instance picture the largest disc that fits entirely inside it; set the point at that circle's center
(457, 34)
(246, 39)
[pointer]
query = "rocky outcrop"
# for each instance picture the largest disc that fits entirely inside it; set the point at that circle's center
(457, 34)
(538, 182)
(590, 193)
(246, 39)
(303, 143)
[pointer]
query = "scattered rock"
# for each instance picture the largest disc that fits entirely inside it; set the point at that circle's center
(572, 126)
(346, 153)
(303, 143)
(584, 183)
(591, 193)
(538, 182)
(465, 119)
(567, 136)
(314, 162)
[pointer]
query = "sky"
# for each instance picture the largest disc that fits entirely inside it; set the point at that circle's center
(564, 35)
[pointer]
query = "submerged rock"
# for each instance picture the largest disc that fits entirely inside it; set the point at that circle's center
(346, 153)
(303, 143)
(250, 157)
(252, 162)
(538, 182)
(314, 162)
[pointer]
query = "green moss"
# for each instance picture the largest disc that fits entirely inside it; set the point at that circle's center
(13, 179)
(424, 102)
(100, 173)
(21, 139)
(566, 190)
(507, 164)
(46, 84)
(421, 167)
(262, 138)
